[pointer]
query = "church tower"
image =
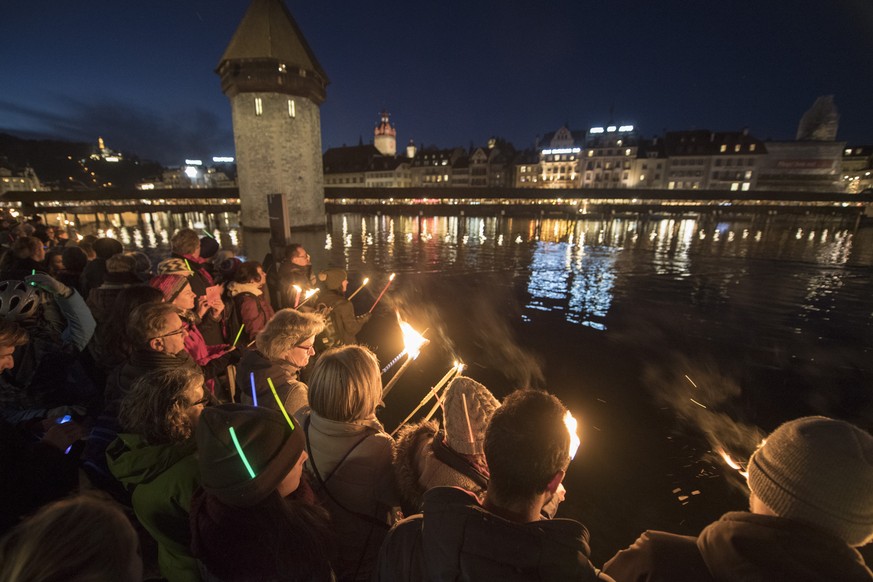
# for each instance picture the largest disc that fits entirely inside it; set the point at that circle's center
(385, 137)
(275, 86)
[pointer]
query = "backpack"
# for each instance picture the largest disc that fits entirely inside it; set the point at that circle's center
(234, 319)
(329, 337)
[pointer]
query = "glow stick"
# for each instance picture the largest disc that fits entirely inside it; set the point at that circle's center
(254, 392)
(206, 232)
(242, 455)
(388, 284)
(394, 361)
(187, 264)
(279, 402)
(366, 280)
(239, 333)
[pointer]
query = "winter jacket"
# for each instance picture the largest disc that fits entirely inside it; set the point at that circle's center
(277, 539)
(46, 367)
(101, 299)
(741, 546)
(292, 392)
(163, 479)
(252, 305)
(423, 461)
(21, 268)
(213, 359)
(211, 329)
(342, 314)
(457, 539)
(351, 462)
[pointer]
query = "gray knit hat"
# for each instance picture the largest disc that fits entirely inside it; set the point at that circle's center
(270, 449)
(820, 471)
(481, 404)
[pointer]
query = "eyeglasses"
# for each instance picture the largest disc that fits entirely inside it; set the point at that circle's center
(182, 329)
(205, 401)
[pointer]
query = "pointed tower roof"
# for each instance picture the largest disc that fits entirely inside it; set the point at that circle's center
(268, 40)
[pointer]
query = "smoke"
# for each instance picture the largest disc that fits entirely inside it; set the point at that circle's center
(480, 319)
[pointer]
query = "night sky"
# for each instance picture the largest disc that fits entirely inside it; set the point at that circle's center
(450, 73)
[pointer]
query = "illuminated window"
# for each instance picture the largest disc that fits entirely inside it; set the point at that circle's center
(737, 148)
(746, 186)
(735, 186)
(292, 109)
(723, 148)
(590, 153)
(642, 177)
(751, 147)
(627, 152)
(748, 174)
(259, 106)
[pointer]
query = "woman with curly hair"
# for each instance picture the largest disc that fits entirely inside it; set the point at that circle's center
(155, 458)
(284, 347)
(350, 455)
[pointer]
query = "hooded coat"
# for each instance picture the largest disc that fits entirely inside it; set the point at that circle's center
(346, 323)
(741, 546)
(456, 539)
(291, 391)
(423, 461)
(163, 479)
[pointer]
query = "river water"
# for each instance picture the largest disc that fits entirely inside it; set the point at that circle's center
(669, 340)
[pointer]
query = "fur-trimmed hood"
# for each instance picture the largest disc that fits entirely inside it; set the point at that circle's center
(419, 464)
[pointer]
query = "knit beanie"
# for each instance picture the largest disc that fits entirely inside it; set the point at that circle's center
(481, 404)
(820, 471)
(174, 267)
(270, 449)
(120, 263)
(169, 285)
(332, 278)
(208, 247)
(106, 247)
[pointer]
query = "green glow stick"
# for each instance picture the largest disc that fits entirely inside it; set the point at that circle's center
(279, 402)
(187, 264)
(239, 333)
(207, 233)
(241, 453)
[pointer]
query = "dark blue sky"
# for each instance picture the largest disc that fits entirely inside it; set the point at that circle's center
(141, 73)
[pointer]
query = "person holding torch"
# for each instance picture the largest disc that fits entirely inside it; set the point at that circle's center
(504, 537)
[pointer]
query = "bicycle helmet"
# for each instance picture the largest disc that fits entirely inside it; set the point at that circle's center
(18, 300)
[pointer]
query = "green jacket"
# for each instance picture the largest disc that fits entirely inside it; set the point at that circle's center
(163, 479)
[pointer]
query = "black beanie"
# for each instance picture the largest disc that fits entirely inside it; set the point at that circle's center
(270, 447)
(106, 247)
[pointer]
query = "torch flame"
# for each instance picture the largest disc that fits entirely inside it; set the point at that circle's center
(297, 288)
(732, 464)
(412, 340)
(309, 293)
(391, 278)
(575, 441)
(366, 280)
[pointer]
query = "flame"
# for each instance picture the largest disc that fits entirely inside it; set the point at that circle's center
(412, 340)
(391, 278)
(732, 464)
(366, 280)
(571, 425)
(297, 288)
(79, 236)
(309, 293)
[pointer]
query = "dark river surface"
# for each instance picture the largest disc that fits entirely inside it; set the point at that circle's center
(668, 339)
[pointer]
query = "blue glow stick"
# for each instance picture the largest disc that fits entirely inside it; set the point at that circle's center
(254, 392)
(279, 402)
(241, 453)
(64, 419)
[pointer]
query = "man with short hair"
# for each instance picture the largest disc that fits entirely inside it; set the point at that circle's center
(159, 335)
(811, 505)
(295, 268)
(503, 537)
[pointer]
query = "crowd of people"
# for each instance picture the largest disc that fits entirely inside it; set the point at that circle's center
(191, 420)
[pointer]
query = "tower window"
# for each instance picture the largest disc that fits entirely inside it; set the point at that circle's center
(292, 109)
(259, 106)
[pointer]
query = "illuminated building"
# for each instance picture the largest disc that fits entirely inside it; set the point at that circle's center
(106, 154)
(559, 159)
(857, 168)
(26, 180)
(275, 86)
(609, 158)
(385, 136)
(802, 166)
(364, 166)
(433, 167)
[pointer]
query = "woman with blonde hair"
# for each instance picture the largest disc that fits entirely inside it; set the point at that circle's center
(283, 348)
(82, 539)
(350, 455)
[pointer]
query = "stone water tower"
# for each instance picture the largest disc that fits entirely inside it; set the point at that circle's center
(275, 86)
